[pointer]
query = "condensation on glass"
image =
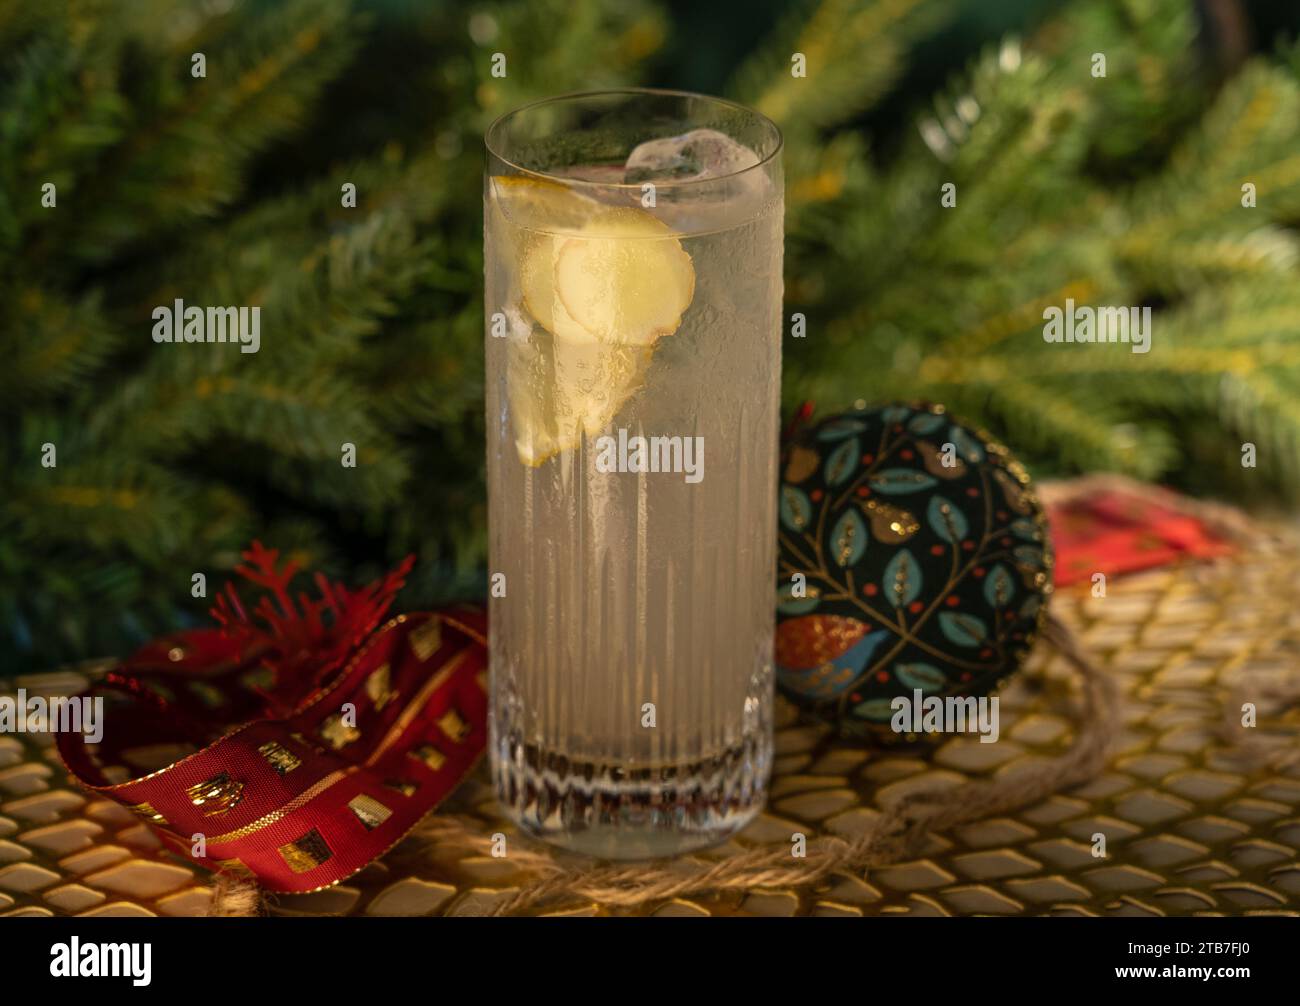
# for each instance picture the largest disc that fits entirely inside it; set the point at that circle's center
(633, 244)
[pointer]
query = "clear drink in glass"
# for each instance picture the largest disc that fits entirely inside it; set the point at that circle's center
(633, 252)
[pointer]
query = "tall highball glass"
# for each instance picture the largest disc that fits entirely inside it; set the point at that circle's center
(632, 244)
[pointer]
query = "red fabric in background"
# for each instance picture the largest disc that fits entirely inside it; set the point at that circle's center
(1117, 532)
(300, 802)
(320, 737)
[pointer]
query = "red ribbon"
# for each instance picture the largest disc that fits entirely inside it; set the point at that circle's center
(321, 740)
(1117, 532)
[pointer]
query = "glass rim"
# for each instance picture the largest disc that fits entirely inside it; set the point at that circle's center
(642, 92)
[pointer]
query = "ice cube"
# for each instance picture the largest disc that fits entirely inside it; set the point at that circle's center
(701, 153)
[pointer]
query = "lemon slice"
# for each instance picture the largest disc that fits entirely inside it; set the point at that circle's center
(538, 204)
(625, 278)
(602, 285)
(561, 392)
(537, 278)
(524, 210)
(530, 213)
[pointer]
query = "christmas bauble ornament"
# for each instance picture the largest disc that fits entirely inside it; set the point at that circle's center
(914, 556)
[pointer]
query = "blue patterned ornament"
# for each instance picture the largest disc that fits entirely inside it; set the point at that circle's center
(913, 555)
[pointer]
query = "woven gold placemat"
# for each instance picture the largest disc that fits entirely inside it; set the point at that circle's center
(1192, 826)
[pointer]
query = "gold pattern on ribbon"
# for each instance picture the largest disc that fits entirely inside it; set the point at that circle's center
(306, 742)
(449, 618)
(279, 757)
(426, 638)
(431, 756)
(369, 811)
(305, 853)
(379, 686)
(404, 786)
(416, 707)
(217, 795)
(337, 733)
(453, 726)
(146, 811)
(266, 820)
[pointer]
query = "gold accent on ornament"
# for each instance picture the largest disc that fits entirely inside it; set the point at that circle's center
(176, 654)
(934, 462)
(218, 795)
(305, 853)
(279, 757)
(369, 811)
(379, 686)
(890, 523)
(1013, 490)
(803, 462)
(426, 638)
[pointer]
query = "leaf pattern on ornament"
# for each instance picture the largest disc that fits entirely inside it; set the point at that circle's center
(926, 677)
(897, 481)
(796, 508)
(948, 522)
(838, 429)
(842, 462)
(967, 446)
(1023, 527)
(999, 587)
(1029, 555)
(1013, 491)
(848, 539)
(925, 423)
(878, 710)
(902, 579)
(962, 629)
(788, 604)
(909, 515)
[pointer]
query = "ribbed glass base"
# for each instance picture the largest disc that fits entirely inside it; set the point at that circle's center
(619, 812)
